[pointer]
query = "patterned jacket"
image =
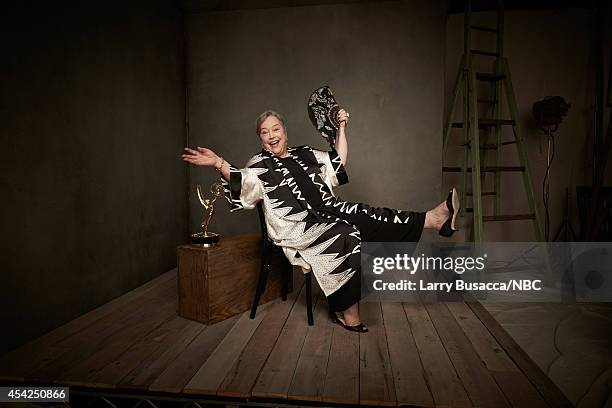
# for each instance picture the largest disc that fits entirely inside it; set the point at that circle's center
(327, 246)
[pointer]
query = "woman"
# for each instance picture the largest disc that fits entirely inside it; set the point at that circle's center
(318, 231)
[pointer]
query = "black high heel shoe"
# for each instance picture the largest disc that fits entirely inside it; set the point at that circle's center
(452, 203)
(360, 328)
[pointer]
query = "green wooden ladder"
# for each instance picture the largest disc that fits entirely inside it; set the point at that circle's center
(474, 147)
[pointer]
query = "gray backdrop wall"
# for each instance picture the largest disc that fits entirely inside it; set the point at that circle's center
(384, 62)
(92, 108)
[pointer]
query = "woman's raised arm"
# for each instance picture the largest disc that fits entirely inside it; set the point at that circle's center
(206, 157)
(341, 143)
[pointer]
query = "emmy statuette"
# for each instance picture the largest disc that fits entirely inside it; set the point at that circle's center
(206, 238)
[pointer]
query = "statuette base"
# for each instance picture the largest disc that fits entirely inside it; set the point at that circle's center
(205, 240)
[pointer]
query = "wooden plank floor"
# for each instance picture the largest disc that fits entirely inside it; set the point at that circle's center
(426, 355)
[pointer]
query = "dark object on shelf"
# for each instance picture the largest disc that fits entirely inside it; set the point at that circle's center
(268, 252)
(603, 227)
(550, 112)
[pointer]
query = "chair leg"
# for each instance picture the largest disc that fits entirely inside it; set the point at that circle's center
(263, 280)
(286, 270)
(309, 298)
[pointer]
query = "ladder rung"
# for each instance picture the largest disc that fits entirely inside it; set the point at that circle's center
(485, 76)
(488, 122)
(495, 122)
(488, 101)
(487, 29)
(486, 169)
(484, 193)
(510, 217)
(482, 52)
(493, 146)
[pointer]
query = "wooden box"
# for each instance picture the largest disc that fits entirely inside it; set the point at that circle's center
(218, 282)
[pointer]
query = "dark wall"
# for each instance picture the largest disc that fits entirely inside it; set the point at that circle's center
(383, 60)
(92, 123)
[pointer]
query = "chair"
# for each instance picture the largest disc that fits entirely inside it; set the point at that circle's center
(267, 250)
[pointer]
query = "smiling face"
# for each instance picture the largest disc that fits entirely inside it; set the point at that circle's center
(273, 136)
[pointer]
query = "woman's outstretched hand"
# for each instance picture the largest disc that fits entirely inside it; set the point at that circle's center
(201, 157)
(206, 157)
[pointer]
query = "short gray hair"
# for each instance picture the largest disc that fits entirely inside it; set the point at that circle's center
(261, 118)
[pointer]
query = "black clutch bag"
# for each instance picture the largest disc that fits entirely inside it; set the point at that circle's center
(323, 112)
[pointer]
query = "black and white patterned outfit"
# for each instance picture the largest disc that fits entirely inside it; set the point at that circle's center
(318, 231)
